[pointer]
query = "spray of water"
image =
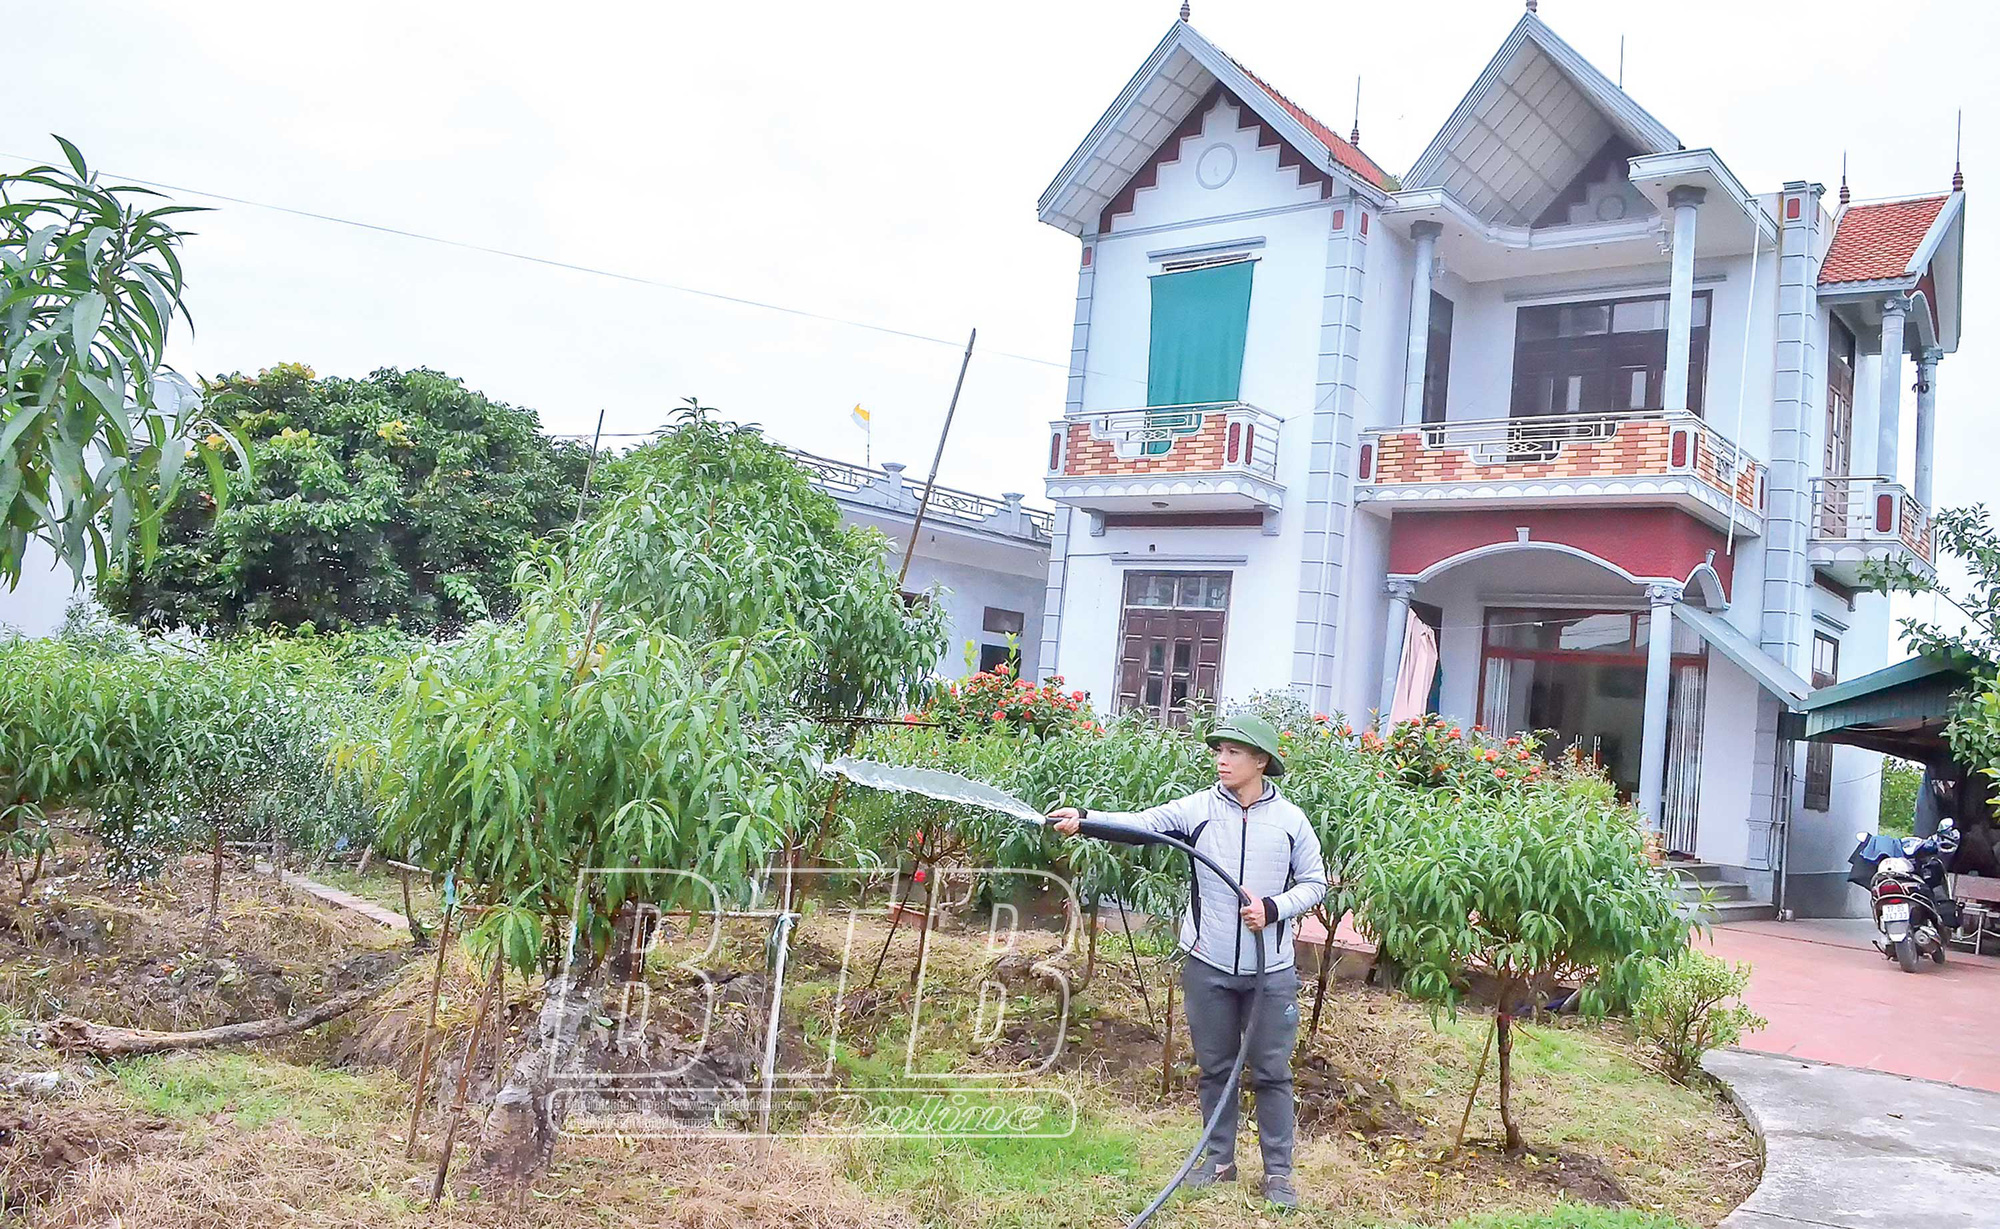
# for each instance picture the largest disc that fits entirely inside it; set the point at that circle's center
(932, 783)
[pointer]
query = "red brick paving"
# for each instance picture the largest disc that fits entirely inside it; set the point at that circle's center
(1831, 997)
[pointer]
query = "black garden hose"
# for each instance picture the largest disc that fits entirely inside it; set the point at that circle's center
(1124, 834)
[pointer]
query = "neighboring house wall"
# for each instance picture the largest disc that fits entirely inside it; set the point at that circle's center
(966, 593)
(35, 606)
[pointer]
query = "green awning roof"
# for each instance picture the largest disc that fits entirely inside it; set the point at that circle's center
(1900, 709)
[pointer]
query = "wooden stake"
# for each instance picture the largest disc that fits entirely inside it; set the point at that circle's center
(409, 911)
(1477, 1076)
(1090, 951)
(430, 1024)
(927, 921)
(1325, 970)
(465, 1079)
(215, 884)
(1137, 969)
(925, 501)
(895, 920)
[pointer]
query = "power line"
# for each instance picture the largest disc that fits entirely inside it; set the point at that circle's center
(590, 270)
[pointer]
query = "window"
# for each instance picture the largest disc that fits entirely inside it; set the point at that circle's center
(1579, 676)
(1171, 649)
(1006, 622)
(1437, 359)
(1838, 454)
(1819, 755)
(1200, 320)
(1605, 357)
(991, 655)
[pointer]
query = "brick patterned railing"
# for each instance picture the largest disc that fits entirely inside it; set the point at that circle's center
(1848, 509)
(1646, 444)
(1213, 438)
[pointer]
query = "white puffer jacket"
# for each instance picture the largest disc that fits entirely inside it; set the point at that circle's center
(1270, 848)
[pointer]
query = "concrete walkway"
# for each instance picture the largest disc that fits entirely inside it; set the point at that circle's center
(344, 900)
(1830, 996)
(1850, 1149)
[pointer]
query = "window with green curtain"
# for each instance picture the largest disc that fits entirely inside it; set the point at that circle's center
(1200, 319)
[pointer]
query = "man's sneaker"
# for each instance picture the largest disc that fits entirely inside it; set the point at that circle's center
(1207, 1174)
(1278, 1190)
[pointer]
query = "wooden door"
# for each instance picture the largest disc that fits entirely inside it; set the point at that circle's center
(1171, 649)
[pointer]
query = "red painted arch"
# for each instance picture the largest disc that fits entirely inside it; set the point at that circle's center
(1646, 542)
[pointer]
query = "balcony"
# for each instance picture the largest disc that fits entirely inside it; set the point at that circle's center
(1856, 520)
(1217, 457)
(1650, 457)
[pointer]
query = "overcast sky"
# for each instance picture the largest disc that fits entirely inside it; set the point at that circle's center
(868, 161)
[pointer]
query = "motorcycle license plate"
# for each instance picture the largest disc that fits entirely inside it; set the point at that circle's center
(1895, 913)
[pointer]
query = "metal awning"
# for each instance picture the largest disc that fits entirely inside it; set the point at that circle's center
(1901, 709)
(1771, 674)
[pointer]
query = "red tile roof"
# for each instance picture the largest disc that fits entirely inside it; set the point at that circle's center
(1877, 241)
(1343, 152)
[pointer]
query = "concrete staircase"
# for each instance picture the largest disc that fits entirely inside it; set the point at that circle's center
(1731, 901)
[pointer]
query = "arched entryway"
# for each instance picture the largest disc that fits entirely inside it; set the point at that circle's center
(1545, 636)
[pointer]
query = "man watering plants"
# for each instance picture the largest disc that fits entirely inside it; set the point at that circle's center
(1247, 826)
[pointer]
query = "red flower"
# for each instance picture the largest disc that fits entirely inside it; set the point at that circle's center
(1002, 668)
(1500, 773)
(1454, 733)
(1521, 756)
(1077, 696)
(920, 876)
(1490, 756)
(999, 714)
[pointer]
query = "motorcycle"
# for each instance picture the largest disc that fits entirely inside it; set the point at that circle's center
(1912, 901)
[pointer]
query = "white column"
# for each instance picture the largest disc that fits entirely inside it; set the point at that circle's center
(1927, 369)
(1659, 676)
(1889, 400)
(1400, 592)
(1680, 297)
(1426, 235)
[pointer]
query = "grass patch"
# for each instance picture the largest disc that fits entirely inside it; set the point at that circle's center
(254, 1092)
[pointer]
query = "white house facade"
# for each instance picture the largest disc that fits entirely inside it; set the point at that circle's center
(1600, 433)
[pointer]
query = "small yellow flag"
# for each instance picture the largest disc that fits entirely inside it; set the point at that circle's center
(861, 418)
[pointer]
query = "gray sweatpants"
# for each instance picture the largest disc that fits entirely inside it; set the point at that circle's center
(1218, 1003)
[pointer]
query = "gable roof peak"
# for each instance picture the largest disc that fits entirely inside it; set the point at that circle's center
(1533, 118)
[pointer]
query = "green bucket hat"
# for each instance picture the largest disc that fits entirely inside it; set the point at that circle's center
(1252, 731)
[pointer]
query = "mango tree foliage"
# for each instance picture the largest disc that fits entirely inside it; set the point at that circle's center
(530, 752)
(1526, 889)
(170, 740)
(1971, 640)
(714, 532)
(93, 433)
(405, 498)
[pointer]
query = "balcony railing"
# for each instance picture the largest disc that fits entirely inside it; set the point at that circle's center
(1216, 455)
(1867, 518)
(1565, 456)
(886, 488)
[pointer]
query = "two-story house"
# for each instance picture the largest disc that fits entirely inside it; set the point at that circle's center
(1567, 430)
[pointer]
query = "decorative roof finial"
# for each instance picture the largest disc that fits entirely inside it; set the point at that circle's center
(1532, 6)
(1957, 155)
(1844, 197)
(1184, 10)
(1354, 137)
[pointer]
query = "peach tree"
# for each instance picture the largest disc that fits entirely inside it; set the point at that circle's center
(1513, 894)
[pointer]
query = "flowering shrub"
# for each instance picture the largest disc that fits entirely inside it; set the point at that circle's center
(1435, 752)
(997, 700)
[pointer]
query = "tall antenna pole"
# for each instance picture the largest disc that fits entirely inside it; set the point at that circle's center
(1958, 155)
(589, 467)
(1621, 61)
(925, 502)
(1354, 138)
